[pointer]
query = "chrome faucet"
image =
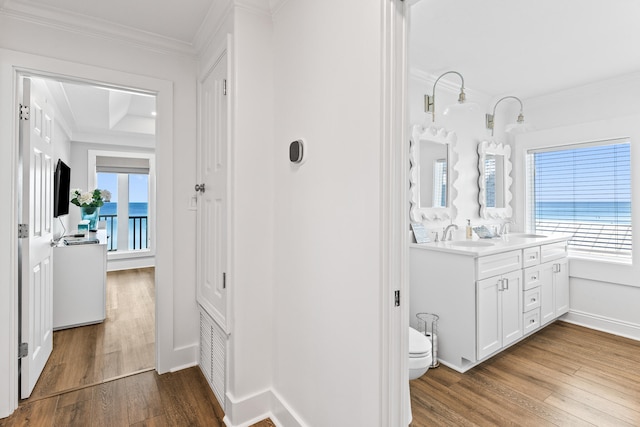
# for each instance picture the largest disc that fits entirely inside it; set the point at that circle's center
(504, 228)
(446, 230)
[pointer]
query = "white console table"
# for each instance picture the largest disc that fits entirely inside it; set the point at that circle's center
(79, 283)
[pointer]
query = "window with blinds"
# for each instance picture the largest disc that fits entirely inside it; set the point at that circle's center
(584, 190)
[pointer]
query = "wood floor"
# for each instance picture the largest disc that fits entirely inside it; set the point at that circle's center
(564, 375)
(123, 344)
(177, 399)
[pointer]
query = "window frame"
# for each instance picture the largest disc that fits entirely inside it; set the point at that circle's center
(596, 250)
(92, 183)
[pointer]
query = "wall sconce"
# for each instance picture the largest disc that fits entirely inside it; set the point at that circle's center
(490, 118)
(429, 101)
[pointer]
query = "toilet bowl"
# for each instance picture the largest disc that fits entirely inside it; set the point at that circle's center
(420, 357)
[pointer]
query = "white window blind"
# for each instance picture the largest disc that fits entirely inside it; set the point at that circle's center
(113, 164)
(584, 190)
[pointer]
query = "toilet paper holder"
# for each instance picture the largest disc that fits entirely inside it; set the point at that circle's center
(428, 325)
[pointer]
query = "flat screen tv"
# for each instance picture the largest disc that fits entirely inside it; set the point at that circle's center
(61, 180)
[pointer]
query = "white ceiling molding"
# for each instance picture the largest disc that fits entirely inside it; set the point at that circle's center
(148, 142)
(74, 22)
(211, 25)
(276, 5)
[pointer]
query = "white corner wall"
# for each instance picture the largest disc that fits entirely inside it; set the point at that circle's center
(52, 49)
(327, 307)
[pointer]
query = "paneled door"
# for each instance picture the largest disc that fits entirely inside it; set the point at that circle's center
(212, 189)
(35, 251)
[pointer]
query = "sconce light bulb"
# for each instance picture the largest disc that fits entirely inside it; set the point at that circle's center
(520, 118)
(462, 97)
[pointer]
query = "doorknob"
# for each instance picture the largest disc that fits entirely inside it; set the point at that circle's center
(200, 187)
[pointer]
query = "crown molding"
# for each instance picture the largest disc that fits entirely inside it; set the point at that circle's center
(212, 23)
(68, 21)
(259, 6)
(276, 5)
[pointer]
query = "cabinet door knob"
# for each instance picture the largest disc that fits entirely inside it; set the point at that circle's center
(200, 187)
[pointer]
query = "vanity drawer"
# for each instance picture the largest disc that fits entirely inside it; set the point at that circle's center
(532, 277)
(494, 265)
(531, 321)
(553, 251)
(531, 299)
(531, 256)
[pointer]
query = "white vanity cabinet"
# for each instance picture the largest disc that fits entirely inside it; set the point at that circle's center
(489, 296)
(499, 312)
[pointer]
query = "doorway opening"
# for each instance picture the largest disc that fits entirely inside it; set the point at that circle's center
(84, 118)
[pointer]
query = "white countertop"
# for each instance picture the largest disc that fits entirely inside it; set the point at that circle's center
(481, 247)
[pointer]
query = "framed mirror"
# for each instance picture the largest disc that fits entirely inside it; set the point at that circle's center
(432, 157)
(494, 165)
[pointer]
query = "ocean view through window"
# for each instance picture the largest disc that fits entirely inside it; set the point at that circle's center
(127, 214)
(583, 190)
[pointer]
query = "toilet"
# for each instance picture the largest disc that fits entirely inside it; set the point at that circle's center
(419, 354)
(420, 359)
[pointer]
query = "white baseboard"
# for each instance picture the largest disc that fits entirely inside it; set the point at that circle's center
(604, 324)
(251, 409)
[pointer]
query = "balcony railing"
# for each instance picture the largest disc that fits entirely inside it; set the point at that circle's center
(138, 231)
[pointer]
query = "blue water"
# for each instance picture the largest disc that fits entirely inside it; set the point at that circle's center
(595, 212)
(135, 209)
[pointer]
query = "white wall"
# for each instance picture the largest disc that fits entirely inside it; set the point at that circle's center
(604, 294)
(30, 45)
(251, 341)
(468, 123)
(327, 307)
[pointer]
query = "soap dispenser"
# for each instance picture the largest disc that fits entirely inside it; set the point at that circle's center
(469, 229)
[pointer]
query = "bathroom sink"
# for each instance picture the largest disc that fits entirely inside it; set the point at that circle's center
(526, 235)
(471, 243)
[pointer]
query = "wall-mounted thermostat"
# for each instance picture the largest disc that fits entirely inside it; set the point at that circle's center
(296, 151)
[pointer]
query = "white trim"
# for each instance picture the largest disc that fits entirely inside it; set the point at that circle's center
(258, 406)
(394, 214)
(604, 324)
(92, 183)
(52, 17)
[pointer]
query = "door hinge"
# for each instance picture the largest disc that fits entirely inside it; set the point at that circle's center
(23, 231)
(397, 298)
(24, 112)
(23, 350)
(224, 87)
(224, 280)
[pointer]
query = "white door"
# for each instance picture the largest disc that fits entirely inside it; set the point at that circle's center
(561, 286)
(212, 193)
(489, 315)
(547, 297)
(511, 307)
(36, 154)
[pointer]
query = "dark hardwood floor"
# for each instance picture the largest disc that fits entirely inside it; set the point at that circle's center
(564, 375)
(121, 345)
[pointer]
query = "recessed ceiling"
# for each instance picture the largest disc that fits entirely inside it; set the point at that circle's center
(97, 114)
(526, 47)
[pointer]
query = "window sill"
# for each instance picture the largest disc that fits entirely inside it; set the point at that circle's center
(141, 253)
(603, 258)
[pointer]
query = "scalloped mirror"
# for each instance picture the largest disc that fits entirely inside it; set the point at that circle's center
(494, 165)
(433, 156)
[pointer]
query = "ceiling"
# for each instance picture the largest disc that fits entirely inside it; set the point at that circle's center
(97, 114)
(173, 23)
(525, 48)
